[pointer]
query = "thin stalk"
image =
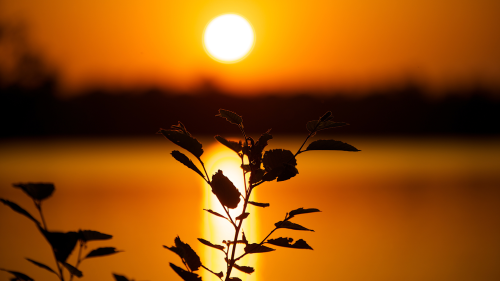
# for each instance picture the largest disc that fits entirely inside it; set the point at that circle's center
(38, 205)
(211, 271)
(236, 234)
(264, 240)
(79, 259)
(209, 183)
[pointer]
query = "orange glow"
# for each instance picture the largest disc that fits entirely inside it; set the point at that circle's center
(217, 229)
(311, 45)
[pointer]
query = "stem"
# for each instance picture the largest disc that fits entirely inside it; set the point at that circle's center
(38, 205)
(203, 165)
(236, 234)
(310, 135)
(211, 271)
(79, 259)
(264, 240)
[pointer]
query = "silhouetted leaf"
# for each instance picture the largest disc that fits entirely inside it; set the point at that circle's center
(331, 145)
(256, 176)
(186, 253)
(234, 279)
(19, 276)
(42, 265)
(246, 168)
(37, 191)
(234, 146)
(73, 270)
(92, 235)
(19, 210)
(230, 116)
(185, 275)
(302, 211)
(120, 277)
(256, 248)
(279, 163)
(255, 153)
(323, 125)
(103, 251)
(183, 138)
(246, 269)
(62, 243)
(290, 225)
(225, 190)
(326, 116)
(263, 205)
(287, 242)
(242, 216)
(179, 156)
(215, 213)
(219, 247)
(244, 239)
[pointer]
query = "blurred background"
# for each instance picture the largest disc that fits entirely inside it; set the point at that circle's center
(85, 86)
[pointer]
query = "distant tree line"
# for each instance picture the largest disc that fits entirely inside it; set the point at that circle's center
(30, 105)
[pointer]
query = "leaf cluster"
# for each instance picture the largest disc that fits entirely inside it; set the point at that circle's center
(61, 243)
(258, 166)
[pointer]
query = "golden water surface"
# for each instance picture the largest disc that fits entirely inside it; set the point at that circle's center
(401, 209)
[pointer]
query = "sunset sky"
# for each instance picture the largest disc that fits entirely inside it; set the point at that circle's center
(300, 45)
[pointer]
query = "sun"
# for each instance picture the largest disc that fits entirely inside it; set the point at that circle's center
(228, 38)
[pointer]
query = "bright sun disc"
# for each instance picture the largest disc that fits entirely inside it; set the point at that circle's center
(228, 38)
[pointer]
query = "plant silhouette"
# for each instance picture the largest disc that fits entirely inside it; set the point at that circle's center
(258, 167)
(62, 243)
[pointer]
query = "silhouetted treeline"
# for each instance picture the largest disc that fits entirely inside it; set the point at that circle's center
(29, 106)
(37, 112)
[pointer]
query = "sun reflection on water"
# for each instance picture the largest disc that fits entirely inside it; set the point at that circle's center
(217, 229)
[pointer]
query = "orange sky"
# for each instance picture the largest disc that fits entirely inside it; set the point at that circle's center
(318, 45)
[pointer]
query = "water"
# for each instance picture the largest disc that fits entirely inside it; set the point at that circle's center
(401, 209)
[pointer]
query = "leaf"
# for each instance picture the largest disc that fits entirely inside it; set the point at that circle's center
(234, 279)
(256, 176)
(256, 248)
(326, 116)
(287, 242)
(179, 156)
(242, 216)
(331, 145)
(215, 213)
(120, 277)
(225, 190)
(62, 243)
(230, 116)
(91, 235)
(73, 270)
(219, 247)
(19, 209)
(263, 205)
(42, 265)
(103, 251)
(290, 225)
(19, 276)
(186, 253)
(245, 167)
(234, 146)
(37, 191)
(246, 269)
(323, 125)
(302, 211)
(185, 275)
(183, 138)
(279, 163)
(255, 154)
